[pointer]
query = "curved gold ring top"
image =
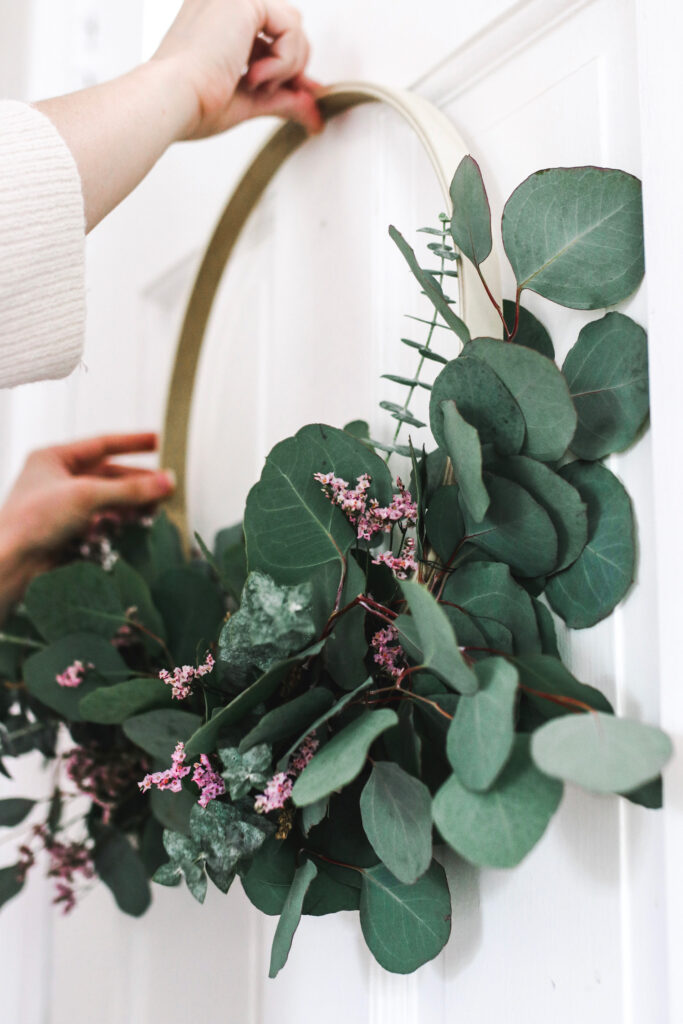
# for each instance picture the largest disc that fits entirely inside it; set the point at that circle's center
(444, 147)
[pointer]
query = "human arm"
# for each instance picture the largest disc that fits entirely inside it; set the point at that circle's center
(57, 494)
(192, 87)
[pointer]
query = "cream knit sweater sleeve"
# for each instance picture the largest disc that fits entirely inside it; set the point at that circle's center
(42, 248)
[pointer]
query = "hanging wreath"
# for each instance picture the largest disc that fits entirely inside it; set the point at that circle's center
(365, 670)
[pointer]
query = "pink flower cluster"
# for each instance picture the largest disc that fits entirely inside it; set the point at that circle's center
(279, 789)
(67, 860)
(388, 652)
(173, 777)
(73, 675)
(369, 517)
(400, 564)
(209, 781)
(182, 678)
(103, 775)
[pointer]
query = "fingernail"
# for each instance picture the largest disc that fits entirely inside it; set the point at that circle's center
(168, 478)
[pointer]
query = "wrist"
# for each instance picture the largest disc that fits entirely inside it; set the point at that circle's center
(175, 101)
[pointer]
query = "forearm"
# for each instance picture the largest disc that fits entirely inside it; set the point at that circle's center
(118, 130)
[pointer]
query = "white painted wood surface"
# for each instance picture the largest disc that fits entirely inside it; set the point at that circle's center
(308, 318)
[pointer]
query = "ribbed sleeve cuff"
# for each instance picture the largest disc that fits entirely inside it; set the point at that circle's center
(42, 250)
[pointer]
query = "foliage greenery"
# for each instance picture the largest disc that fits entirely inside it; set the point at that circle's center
(464, 734)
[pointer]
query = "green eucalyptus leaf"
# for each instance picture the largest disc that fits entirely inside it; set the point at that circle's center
(290, 917)
(483, 400)
(444, 522)
(552, 691)
(122, 870)
(481, 736)
(546, 629)
(136, 596)
(246, 771)
(41, 671)
(164, 547)
(650, 794)
(291, 527)
(317, 724)
(515, 530)
(400, 413)
(273, 622)
(471, 221)
(359, 429)
(607, 374)
(13, 810)
(575, 235)
(191, 605)
(530, 331)
(185, 861)
(231, 559)
(77, 598)
(112, 705)
(405, 925)
(11, 882)
(561, 501)
(342, 759)
(540, 391)
(408, 382)
(464, 450)
(158, 732)
(396, 812)
(269, 877)
(346, 648)
(224, 839)
(487, 591)
(431, 287)
(172, 810)
(498, 828)
(595, 583)
(600, 752)
(439, 646)
(288, 719)
(313, 814)
(328, 894)
(428, 353)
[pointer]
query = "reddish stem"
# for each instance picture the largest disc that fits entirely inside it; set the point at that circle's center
(577, 705)
(499, 311)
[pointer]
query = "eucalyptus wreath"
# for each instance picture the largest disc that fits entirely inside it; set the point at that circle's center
(365, 671)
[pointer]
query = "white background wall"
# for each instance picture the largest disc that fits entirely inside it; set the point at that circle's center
(579, 932)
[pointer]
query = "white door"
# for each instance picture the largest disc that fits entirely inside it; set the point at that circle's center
(307, 320)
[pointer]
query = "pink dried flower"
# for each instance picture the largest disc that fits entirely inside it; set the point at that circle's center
(401, 564)
(369, 517)
(104, 775)
(172, 777)
(279, 789)
(73, 675)
(389, 654)
(275, 795)
(182, 677)
(67, 860)
(208, 780)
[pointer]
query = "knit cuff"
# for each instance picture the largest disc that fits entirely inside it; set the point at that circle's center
(42, 250)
